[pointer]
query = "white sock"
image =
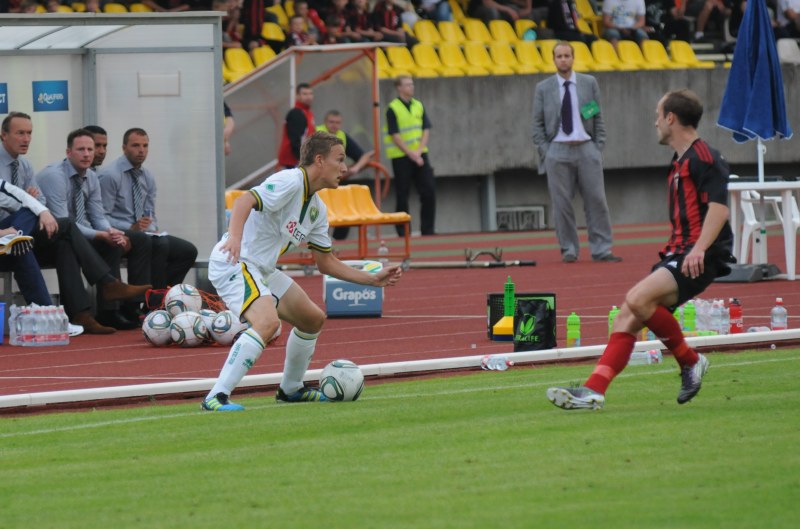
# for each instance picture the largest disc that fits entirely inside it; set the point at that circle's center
(299, 350)
(244, 353)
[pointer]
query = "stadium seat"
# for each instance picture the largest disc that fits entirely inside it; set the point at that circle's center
(288, 7)
(426, 57)
(272, 31)
(140, 8)
(114, 7)
(521, 25)
(528, 55)
(79, 7)
(475, 30)
(655, 53)
(503, 55)
(262, 55)
(385, 70)
(227, 75)
(451, 32)
(426, 32)
(401, 59)
(232, 195)
(457, 10)
(477, 55)
(341, 205)
(238, 61)
(630, 53)
(584, 59)
(451, 55)
(587, 13)
(604, 53)
(277, 10)
(502, 31)
(682, 53)
(64, 9)
(546, 47)
(408, 29)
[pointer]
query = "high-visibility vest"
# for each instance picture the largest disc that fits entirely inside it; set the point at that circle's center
(339, 134)
(409, 123)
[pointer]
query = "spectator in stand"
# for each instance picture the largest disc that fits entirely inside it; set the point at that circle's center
(337, 22)
(437, 10)
(668, 19)
(52, 6)
(789, 17)
(312, 22)
(737, 12)
(28, 7)
(624, 20)
(251, 16)
(562, 18)
(93, 6)
(705, 10)
(388, 20)
(231, 38)
(297, 35)
(511, 10)
(360, 21)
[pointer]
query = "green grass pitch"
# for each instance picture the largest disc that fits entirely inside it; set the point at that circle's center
(483, 450)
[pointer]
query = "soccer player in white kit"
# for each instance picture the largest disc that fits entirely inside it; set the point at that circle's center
(282, 211)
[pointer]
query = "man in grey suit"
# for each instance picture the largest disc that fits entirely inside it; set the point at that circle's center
(569, 133)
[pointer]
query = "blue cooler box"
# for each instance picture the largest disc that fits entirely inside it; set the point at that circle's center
(349, 299)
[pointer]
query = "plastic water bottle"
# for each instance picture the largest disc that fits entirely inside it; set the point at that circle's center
(25, 327)
(39, 327)
(779, 318)
(495, 363)
(715, 321)
(725, 323)
(689, 317)
(63, 326)
(612, 315)
(573, 330)
(652, 356)
(383, 251)
(13, 316)
(736, 316)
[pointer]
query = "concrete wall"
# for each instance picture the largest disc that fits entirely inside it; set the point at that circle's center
(482, 126)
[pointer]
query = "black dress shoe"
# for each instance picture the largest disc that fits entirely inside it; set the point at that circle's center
(569, 258)
(116, 320)
(607, 258)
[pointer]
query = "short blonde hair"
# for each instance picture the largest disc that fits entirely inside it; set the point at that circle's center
(319, 143)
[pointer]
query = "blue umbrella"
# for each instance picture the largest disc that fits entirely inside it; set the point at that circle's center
(753, 105)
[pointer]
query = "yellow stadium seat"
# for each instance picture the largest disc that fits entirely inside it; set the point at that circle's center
(451, 32)
(272, 31)
(366, 208)
(584, 58)
(401, 59)
(528, 55)
(655, 53)
(426, 57)
(79, 7)
(385, 70)
(231, 196)
(629, 52)
(277, 10)
(477, 55)
(114, 7)
(476, 30)
(457, 10)
(546, 47)
(64, 9)
(408, 29)
(586, 13)
(521, 25)
(502, 31)
(141, 8)
(341, 205)
(227, 75)
(451, 55)
(682, 53)
(238, 61)
(262, 55)
(288, 6)
(427, 33)
(604, 53)
(502, 54)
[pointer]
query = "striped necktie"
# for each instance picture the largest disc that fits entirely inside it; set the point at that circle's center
(79, 201)
(138, 194)
(14, 172)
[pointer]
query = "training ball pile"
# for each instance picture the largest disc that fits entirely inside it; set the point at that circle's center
(182, 298)
(341, 380)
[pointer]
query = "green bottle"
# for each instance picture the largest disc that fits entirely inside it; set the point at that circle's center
(573, 330)
(612, 315)
(689, 317)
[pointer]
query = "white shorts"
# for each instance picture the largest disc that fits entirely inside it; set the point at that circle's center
(240, 284)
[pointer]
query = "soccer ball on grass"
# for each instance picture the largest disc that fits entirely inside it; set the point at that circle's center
(341, 380)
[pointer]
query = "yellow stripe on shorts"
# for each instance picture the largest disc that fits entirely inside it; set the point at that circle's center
(251, 292)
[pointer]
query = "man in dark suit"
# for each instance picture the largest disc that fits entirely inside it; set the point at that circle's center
(569, 132)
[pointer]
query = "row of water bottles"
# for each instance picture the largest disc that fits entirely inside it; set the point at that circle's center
(36, 325)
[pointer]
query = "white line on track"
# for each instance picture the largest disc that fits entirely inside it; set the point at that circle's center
(133, 420)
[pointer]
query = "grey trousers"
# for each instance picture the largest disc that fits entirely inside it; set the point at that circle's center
(572, 168)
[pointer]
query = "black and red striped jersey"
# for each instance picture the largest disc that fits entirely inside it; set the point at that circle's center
(700, 176)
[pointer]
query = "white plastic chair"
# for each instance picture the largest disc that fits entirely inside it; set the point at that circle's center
(751, 222)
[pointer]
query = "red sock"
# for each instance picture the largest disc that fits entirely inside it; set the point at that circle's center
(614, 359)
(666, 328)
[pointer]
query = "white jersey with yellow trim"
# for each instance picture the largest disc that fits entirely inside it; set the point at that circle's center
(284, 216)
